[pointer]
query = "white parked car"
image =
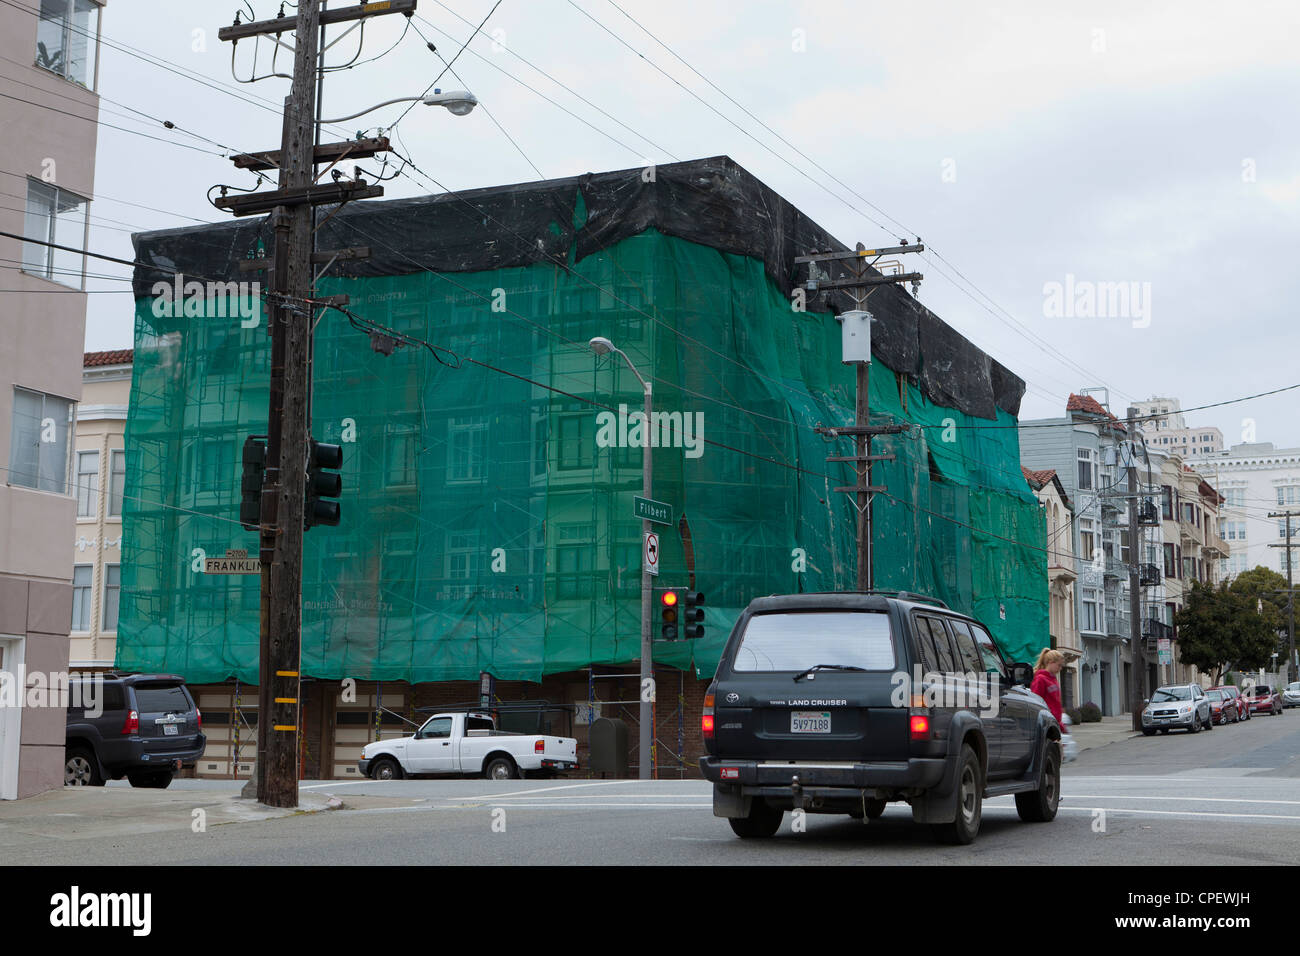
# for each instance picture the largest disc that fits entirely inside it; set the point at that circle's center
(467, 743)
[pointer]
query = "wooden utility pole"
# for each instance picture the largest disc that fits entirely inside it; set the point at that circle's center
(291, 312)
(857, 351)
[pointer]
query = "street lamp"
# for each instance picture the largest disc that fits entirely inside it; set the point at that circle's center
(456, 102)
(603, 346)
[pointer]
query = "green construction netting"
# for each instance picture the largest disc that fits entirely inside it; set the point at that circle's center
(485, 527)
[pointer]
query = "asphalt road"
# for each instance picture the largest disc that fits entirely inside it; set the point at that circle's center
(1228, 796)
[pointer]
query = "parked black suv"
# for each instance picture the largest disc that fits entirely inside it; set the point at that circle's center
(841, 703)
(143, 727)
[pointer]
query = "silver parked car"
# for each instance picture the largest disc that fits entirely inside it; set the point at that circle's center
(1179, 705)
(1291, 694)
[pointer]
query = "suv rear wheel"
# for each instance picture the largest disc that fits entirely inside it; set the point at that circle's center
(81, 769)
(1039, 806)
(970, 801)
(763, 820)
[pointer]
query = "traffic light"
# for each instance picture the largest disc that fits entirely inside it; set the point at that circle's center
(693, 615)
(323, 483)
(668, 609)
(250, 486)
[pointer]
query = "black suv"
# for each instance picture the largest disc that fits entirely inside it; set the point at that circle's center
(841, 703)
(143, 727)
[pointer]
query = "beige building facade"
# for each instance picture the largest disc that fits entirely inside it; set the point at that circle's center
(99, 472)
(46, 183)
(1192, 549)
(1058, 518)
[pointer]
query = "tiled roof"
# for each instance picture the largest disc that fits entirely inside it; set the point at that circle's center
(111, 357)
(1086, 403)
(1038, 478)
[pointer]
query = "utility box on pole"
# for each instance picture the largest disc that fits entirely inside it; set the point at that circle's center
(855, 332)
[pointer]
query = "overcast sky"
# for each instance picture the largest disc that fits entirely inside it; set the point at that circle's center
(1124, 142)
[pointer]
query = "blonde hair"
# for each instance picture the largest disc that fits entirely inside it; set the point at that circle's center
(1048, 656)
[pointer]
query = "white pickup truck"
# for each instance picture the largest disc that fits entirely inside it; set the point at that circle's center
(460, 743)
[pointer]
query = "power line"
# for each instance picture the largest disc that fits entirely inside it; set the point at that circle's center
(1041, 344)
(411, 106)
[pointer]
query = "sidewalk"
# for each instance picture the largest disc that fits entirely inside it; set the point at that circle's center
(75, 813)
(1109, 730)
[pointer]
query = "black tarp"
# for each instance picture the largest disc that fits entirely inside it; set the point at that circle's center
(712, 201)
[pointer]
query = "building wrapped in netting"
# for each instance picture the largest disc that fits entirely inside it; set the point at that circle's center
(487, 514)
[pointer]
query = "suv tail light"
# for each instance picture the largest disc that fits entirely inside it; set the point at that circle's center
(199, 715)
(539, 746)
(919, 725)
(132, 725)
(706, 721)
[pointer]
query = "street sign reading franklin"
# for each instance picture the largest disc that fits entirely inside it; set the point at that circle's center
(236, 561)
(651, 510)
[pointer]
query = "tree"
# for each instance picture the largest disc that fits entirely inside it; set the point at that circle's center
(1267, 588)
(1222, 628)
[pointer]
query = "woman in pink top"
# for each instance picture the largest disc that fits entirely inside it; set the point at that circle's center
(1047, 684)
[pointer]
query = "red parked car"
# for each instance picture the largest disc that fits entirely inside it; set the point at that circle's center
(1222, 707)
(1243, 708)
(1265, 698)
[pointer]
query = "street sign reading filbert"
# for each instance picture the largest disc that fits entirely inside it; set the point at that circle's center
(650, 510)
(236, 561)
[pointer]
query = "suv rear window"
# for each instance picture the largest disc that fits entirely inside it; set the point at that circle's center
(798, 640)
(153, 699)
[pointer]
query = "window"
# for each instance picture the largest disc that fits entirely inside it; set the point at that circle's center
(1166, 503)
(54, 216)
(541, 427)
(1087, 469)
(66, 39)
(576, 434)
(1189, 513)
(82, 580)
(993, 663)
(794, 642)
(1281, 527)
(466, 450)
(216, 464)
(1087, 540)
(1171, 569)
(573, 566)
(112, 591)
(1090, 620)
(462, 555)
(1189, 569)
(1288, 495)
(935, 646)
(970, 657)
(1236, 497)
(436, 727)
(116, 481)
(399, 455)
(87, 483)
(40, 450)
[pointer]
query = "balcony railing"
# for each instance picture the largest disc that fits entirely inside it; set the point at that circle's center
(1154, 630)
(1148, 575)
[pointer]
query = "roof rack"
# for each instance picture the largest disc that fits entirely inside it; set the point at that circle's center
(911, 596)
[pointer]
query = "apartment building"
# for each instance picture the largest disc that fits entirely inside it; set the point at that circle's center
(1254, 479)
(46, 185)
(99, 471)
(1192, 549)
(1080, 447)
(1168, 430)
